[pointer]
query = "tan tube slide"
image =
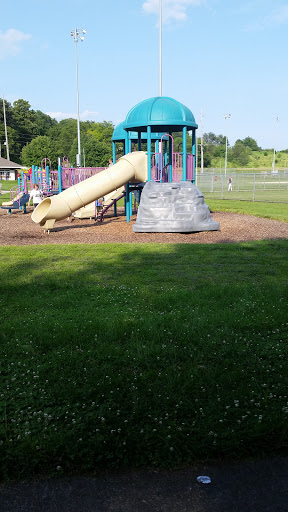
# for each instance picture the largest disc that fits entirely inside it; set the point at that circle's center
(131, 167)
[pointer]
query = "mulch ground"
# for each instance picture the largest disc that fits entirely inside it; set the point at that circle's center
(19, 229)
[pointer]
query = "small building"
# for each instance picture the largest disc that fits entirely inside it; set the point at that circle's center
(8, 169)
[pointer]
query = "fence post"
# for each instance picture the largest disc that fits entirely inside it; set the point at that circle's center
(254, 188)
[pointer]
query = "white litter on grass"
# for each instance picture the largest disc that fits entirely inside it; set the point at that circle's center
(204, 479)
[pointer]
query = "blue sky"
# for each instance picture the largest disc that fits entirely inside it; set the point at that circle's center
(220, 55)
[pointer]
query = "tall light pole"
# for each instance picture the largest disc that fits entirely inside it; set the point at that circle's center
(76, 34)
(226, 116)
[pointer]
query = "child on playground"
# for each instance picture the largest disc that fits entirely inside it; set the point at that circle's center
(36, 194)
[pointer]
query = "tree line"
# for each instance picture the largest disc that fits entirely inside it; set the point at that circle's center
(33, 135)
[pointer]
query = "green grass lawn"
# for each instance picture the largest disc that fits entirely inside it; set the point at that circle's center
(141, 355)
(265, 210)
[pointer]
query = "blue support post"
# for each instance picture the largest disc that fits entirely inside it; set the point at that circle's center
(36, 175)
(33, 175)
(114, 152)
(59, 178)
(127, 203)
(126, 144)
(165, 159)
(194, 153)
(19, 183)
(47, 177)
(139, 141)
(158, 160)
(131, 204)
(184, 153)
(170, 176)
(149, 151)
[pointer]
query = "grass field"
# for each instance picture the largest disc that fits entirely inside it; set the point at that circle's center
(141, 355)
(246, 187)
(259, 209)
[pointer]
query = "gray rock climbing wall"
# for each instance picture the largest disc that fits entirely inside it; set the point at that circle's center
(173, 207)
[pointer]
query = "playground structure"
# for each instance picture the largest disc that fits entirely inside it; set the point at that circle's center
(151, 122)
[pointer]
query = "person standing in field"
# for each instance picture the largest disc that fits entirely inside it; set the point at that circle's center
(230, 184)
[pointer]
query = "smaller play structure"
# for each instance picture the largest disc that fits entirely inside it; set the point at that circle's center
(18, 202)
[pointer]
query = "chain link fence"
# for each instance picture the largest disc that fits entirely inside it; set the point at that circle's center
(264, 186)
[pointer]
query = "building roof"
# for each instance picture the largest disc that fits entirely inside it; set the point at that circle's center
(162, 113)
(7, 164)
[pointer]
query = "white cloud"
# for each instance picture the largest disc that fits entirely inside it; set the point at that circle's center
(278, 16)
(171, 9)
(10, 42)
(86, 115)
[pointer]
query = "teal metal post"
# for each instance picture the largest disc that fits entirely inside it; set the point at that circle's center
(139, 141)
(165, 159)
(126, 144)
(194, 153)
(131, 204)
(149, 151)
(170, 159)
(114, 152)
(33, 175)
(184, 160)
(127, 203)
(36, 175)
(47, 177)
(59, 179)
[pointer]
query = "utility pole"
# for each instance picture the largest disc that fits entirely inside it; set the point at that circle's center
(226, 116)
(6, 136)
(202, 156)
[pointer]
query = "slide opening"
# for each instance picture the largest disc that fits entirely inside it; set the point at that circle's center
(41, 211)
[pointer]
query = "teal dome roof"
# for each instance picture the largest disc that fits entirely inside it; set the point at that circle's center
(119, 134)
(159, 112)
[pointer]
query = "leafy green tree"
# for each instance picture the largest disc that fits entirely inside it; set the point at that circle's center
(64, 132)
(240, 153)
(97, 153)
(43, 123)
(39, 148)
(102, 131)
(251, 143)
